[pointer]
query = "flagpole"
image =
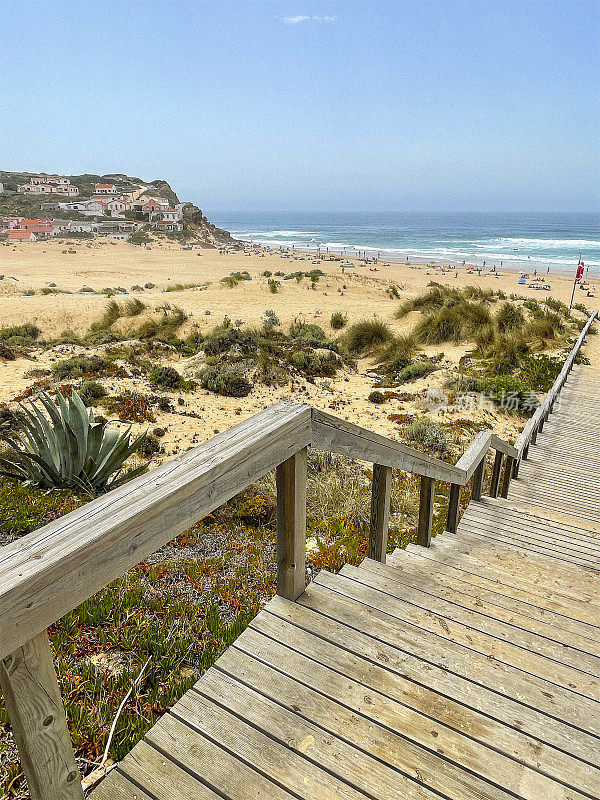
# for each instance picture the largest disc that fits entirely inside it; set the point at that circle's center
(578, 274)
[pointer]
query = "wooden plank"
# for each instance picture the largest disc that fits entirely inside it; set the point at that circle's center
(406, 569)
(345, 745)
(380, 512)
(508, 470)
(207, 762)
(37, 716)
(475, 453)
(577, 584)
(291, 525)
(340, 436)
(478, 635)
(418, 712)
(378, 726)
(162, 777)
(550, 699)
(288, 754)
(409, 662)
(511, 516)
(461, 608)
(532, 544)
(117, 787)
(47, 573)
(425, 511)
(525, 593)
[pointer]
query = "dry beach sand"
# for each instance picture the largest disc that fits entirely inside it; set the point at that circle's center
(359, 293)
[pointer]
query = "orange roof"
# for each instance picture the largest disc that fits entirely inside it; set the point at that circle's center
(19, 234)
(104, 185)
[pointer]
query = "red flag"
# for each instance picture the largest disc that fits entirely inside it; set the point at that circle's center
(579, 271)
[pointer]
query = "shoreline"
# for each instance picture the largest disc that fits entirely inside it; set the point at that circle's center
(359, 262)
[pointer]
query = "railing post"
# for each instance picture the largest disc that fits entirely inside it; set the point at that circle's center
(496, 474)
(380, 512)
(291, 526)
(478, 480)
(534, 434)
(39, 725)
(516, 468)
(453, 507)
(525, 451)
(508, 471)
(425, 511)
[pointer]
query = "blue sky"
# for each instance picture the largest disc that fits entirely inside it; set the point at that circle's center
(310, 106)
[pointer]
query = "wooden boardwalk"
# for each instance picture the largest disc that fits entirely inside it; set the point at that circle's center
(469, 670)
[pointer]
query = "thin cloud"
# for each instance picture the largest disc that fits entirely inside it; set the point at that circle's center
(306, 18)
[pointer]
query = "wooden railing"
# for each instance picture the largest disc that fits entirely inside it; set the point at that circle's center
(52, 570)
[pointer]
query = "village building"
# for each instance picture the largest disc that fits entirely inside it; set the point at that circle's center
(168, 225)
(105, 188)
(172, 215)
(21, 236)
(49, 185)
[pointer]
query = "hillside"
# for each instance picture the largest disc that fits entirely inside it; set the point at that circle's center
(196, 225)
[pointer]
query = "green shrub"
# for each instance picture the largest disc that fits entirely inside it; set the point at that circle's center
(77, 366)
(509, 317)
(418, 369)
(91, 391)
(166, 378)
(229, 380)
(427, 433)
(511, 394)
(150, 446)
(63, 447)
(274, 286)
(315, 364)
(446, 325)
(376, 397)
(308, 332)
(338, 320)
(399, 353)
(366, 336)
(26, 331)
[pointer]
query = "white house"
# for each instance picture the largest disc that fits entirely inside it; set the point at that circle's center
(105, 188)
(172, 215)
(1, 188)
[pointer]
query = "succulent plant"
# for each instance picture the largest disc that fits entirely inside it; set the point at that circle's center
(66, 448)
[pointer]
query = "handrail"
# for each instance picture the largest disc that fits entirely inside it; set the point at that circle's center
(48, 572)
(529, 432)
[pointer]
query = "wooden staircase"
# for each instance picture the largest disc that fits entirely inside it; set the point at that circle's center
(469, 669)
(466, 667)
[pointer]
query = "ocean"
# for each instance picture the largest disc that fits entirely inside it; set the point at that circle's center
(520, 241)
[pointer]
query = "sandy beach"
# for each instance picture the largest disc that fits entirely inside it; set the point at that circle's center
(359, 293)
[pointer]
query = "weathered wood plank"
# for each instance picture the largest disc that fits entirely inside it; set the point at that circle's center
(408, 657)
(496, 474)
(37, 716)
(336, 752)
(287, 758)
(481, 637)
(380, 511)
(453, 508)
(407, 570)
(537, 602)
(291, 525)
(375, 723)
(480, 616)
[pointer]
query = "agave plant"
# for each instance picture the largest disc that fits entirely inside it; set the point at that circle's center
(66, 448)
